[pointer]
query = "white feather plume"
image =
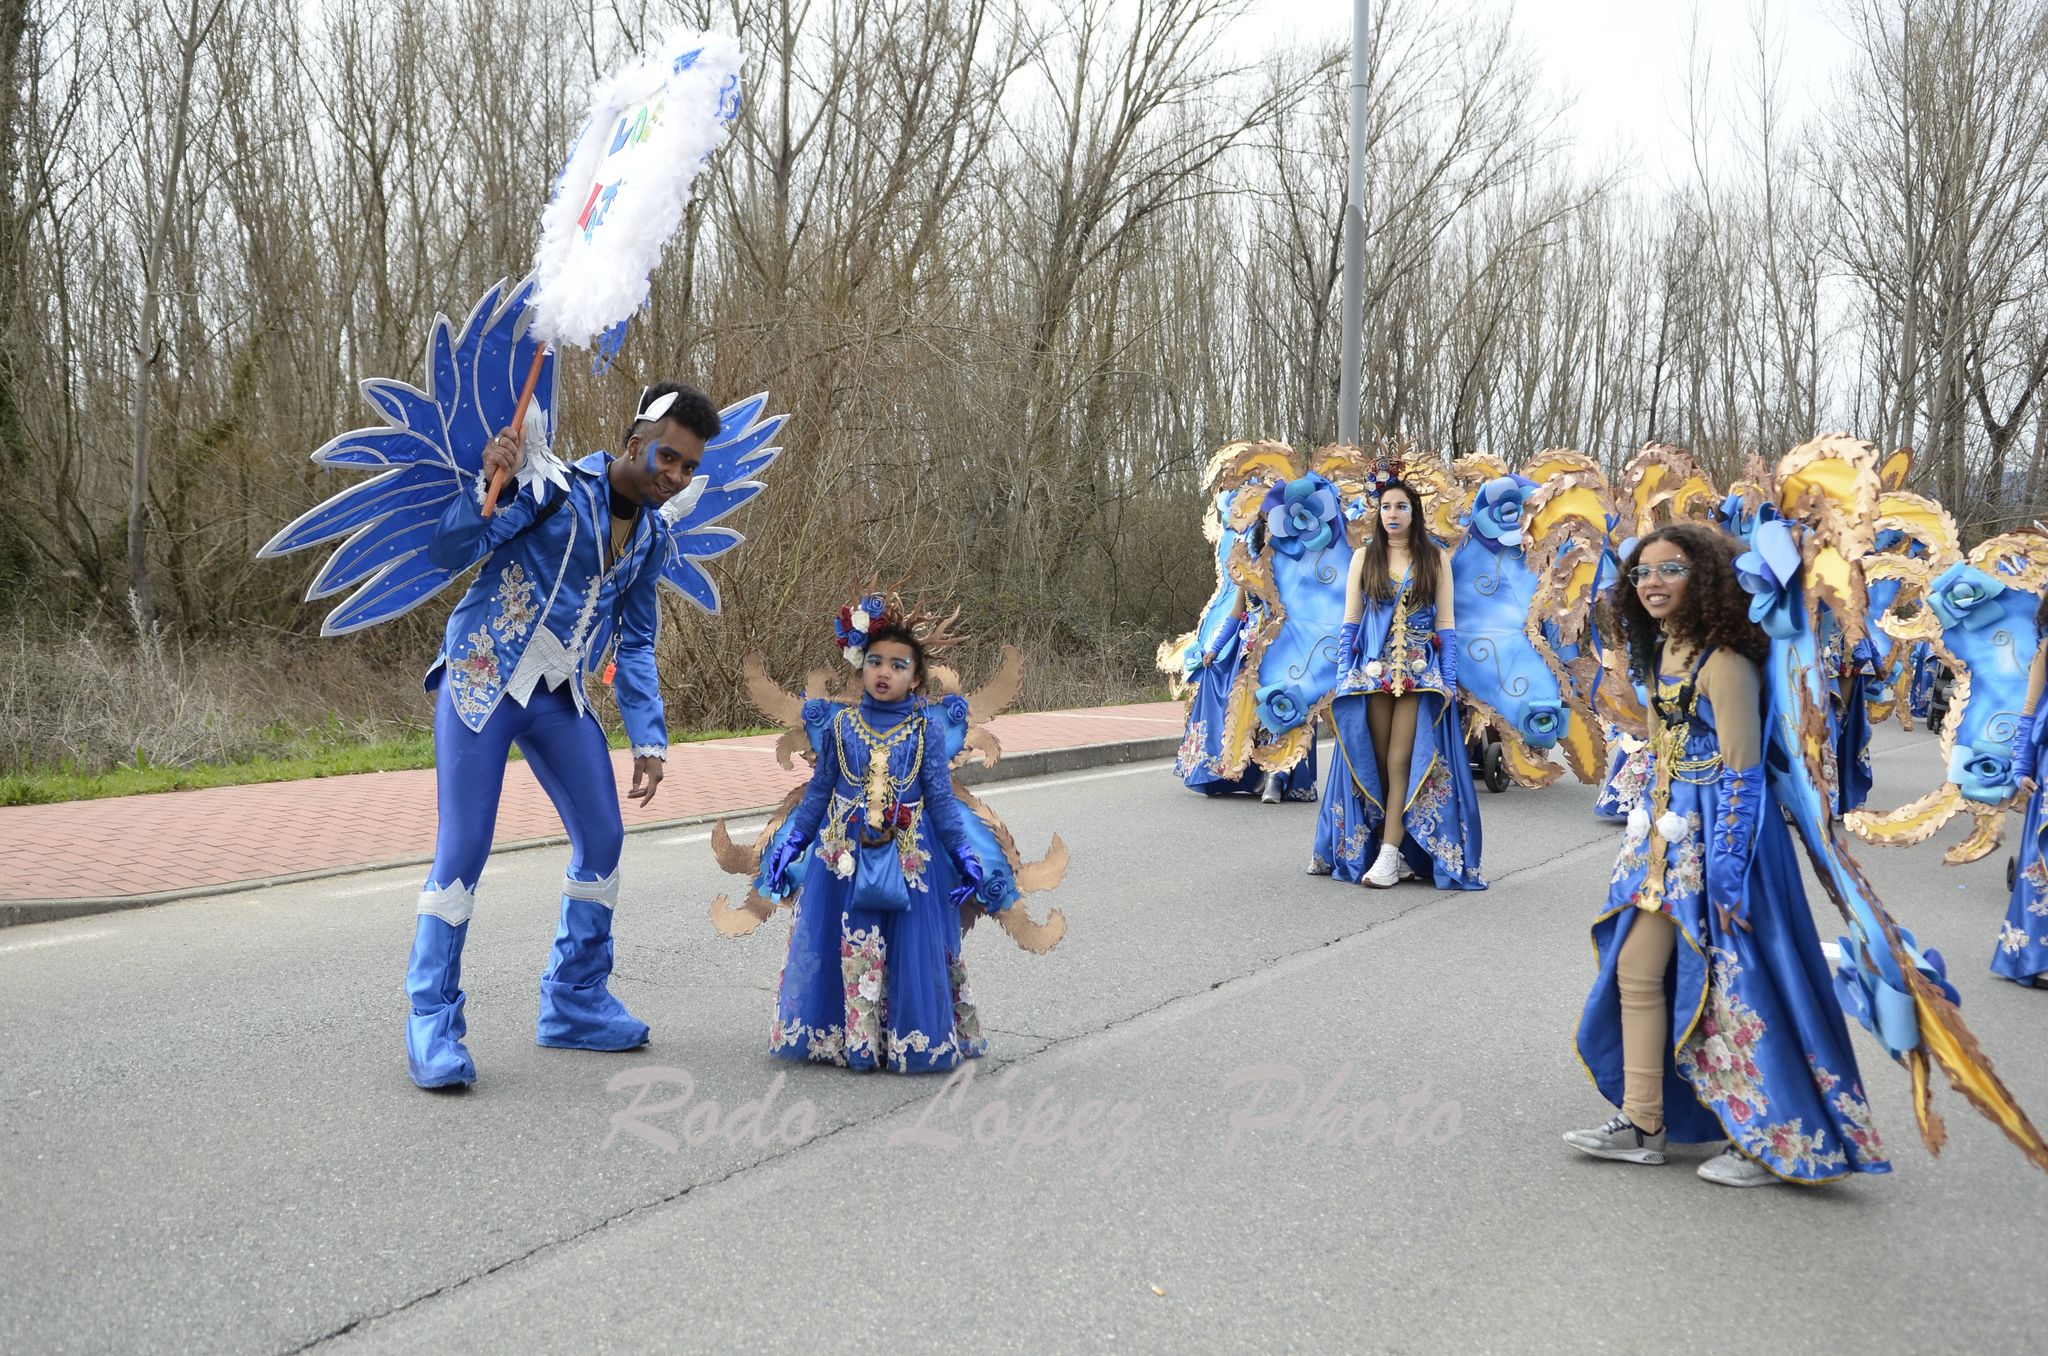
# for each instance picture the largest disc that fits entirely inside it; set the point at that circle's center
(588, 284)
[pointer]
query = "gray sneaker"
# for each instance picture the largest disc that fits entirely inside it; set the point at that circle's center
(1269, 791)
(1619, 1139)
(1731, 1167)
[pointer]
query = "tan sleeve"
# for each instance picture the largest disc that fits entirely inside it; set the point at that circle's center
(1733, 685)
(1446, 594)
(1354, 588)
(2037, 678)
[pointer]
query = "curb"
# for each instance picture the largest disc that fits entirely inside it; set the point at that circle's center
(1012, 767)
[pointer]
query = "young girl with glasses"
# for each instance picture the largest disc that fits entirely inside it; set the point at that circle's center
(1713, 1016)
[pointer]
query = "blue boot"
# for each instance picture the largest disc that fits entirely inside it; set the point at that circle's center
(577, 1012)
(433, 981)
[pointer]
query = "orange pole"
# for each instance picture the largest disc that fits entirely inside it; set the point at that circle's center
(518, 425)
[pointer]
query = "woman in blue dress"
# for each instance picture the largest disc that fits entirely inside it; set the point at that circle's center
(1397, 718)
(873, 977)
(1713, 1016)
(2022, 952)
(1213, 673)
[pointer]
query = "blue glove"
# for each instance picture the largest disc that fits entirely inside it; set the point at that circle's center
(2026, 753)
(778, 863)
(1347, 646)
(1447, 660)
(992, 890)
(971, 880)
(1731, 842)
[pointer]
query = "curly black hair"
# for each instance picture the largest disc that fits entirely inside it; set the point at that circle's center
(2041, 615)
(1714, 614)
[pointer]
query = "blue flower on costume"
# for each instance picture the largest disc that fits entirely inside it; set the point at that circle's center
(1963, 597)
(1279, 708)
(1770, 571)
(1301, 515)
(1982, 772)
(1497, 511)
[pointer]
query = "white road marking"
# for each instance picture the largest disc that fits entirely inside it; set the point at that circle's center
(407, 884)
(55, 941)
(1046, 784)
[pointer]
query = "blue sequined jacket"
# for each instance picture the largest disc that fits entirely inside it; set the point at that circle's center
(545, 609)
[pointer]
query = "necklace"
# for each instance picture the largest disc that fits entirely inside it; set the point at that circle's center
(883, 790)
(1678, 711)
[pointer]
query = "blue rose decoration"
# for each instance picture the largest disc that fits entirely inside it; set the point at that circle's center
(1301, 515)
(1770, 570)
(1881, 1002)
(955, 707)
(817, 711)
(998, 891)
(1542, 724)
(1965, 597)
(1497, 511)
(1983, 772)
(1740, 521)
(1279, 708)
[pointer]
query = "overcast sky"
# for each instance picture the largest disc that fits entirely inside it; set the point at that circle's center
(1624, 62)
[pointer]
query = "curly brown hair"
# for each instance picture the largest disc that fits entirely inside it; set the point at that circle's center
(1714, 613)
(2041, 615)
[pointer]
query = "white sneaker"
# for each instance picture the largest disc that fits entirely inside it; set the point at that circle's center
(1620, 1140)
(1732, 1168)
(1406, 872)
(1385, 868)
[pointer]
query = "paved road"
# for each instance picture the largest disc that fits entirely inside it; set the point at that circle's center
(207, 1139)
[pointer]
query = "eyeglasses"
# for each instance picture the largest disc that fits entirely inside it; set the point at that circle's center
(1670, 569)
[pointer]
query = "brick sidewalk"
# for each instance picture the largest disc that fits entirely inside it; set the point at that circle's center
(177, 840)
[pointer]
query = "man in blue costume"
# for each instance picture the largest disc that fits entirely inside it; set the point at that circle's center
(571, 563)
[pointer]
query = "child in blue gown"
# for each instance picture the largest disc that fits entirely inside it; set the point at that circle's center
(873, 977)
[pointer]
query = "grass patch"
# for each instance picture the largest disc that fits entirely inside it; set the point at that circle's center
(321, 754)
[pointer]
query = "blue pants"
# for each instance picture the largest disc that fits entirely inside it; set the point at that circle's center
(567, 752)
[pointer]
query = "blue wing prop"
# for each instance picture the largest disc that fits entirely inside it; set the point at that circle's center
(1226, 603)
(429, 450)
(725, 480)
(1884, 978)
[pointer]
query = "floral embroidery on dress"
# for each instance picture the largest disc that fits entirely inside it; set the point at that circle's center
(1854, 1111)
(2036, 874)
(912, 854)
(966, 1017)
(1632, 777)
(1719, 1057)
(473, 679)
(515, 611)
(1189, 759)
(2011, 940)
(1687, 873)
(1425, 820)
(865, 971)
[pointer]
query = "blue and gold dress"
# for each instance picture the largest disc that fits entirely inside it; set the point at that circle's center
(1759, 1050)
(1202, 763)
(882, 988)
(1397, 655)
